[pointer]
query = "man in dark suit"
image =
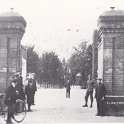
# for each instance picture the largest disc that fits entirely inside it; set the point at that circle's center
(10, 100)
(20, 87)
(29, 91)
(100, 95)
(34, 86)
(68, 88)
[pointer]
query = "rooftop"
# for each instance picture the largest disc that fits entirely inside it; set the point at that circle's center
(11, 13)
(113, 12)
(12, 16)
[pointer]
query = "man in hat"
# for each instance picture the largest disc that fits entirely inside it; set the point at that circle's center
(10, 100)
(34, 86)
(20, 86)
(100, 95)
(29, 93)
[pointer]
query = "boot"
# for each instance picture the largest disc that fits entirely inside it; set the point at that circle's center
(9, 121)
(91, 106)
(85, 105)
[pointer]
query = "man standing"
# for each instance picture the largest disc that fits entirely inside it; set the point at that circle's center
(20, 87)
(20, 79)
(68, 89)
(10, 100)
(34, 87)
(89, 92)
(100, 95)
(29, 93)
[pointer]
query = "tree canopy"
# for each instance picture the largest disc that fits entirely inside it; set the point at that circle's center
(81, 61)
(51, 68)
(32, 60)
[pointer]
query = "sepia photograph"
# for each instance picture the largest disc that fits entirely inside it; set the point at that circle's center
(61, 61)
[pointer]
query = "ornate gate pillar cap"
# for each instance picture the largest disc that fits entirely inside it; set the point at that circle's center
(12, 19)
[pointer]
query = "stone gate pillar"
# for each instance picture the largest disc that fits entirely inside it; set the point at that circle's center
(12, 28)
(111, 59)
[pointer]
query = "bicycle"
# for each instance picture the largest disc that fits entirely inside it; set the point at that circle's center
(19, 111)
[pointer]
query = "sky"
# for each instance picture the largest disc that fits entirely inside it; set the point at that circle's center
(59, 25)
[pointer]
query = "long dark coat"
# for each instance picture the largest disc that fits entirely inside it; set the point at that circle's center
(100, 91)
(19, 83)
(34, 85)
(68, 87)
(20, 89)
(29, 93)
(11, 95)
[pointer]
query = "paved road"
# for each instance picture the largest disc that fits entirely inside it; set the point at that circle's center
(52, 107)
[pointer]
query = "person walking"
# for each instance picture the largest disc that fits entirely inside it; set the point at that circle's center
(89, 92)
(10, 100)
(100, 95)
(34, 86)
(29, 93)
(68, 88)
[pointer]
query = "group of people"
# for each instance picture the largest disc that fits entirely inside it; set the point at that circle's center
(99, 94)
(17, 90)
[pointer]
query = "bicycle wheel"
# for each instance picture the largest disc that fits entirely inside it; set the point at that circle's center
(4, 115)
(3, 112)
(20, 111)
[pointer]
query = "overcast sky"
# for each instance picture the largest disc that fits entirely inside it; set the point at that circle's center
(59, 25)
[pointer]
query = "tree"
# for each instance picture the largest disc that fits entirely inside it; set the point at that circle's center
(81, 61)
(32, 61)
(51, 69)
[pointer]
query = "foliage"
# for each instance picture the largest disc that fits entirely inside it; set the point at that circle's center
(32, 61)
(81, 61)
(51, 69)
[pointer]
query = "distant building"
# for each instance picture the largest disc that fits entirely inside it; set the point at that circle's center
(12, 28)
(108, 58)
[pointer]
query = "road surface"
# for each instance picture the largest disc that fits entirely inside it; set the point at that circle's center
(53, 107)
